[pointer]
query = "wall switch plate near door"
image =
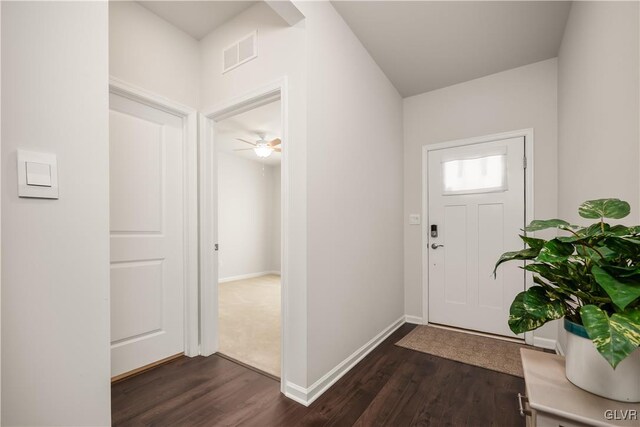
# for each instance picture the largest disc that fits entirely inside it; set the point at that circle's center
(414, 219)
(37, 175)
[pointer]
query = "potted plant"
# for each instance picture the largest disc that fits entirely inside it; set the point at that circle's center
(590, 276)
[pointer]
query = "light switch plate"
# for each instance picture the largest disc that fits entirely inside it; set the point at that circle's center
(37, 175)
(414, 219)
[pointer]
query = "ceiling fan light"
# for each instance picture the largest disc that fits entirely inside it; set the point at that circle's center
(263, 151)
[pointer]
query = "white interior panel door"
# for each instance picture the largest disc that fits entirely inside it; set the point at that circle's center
(147, 248)
(476, 200)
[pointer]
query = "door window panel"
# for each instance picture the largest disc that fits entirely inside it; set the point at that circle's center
(476, 175)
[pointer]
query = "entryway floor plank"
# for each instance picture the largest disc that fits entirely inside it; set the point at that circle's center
(392, 386)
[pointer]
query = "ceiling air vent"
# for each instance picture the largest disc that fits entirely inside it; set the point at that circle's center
(242, 51)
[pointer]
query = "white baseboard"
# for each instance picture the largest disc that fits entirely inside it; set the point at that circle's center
(559, 348)
(414, 320)
(306, 396)
(547, 343)
(296, 393)
(247, 276)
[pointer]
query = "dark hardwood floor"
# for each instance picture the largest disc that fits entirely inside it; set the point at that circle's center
(392, 386)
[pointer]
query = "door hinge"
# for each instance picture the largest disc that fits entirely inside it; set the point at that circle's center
(524, 162)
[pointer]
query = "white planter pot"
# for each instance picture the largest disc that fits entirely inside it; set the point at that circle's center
(587, 369)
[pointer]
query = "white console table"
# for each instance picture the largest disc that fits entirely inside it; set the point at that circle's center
(551, 400)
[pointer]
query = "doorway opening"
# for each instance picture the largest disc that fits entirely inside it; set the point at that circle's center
(477, 196)
(249, 154)
(269, 181)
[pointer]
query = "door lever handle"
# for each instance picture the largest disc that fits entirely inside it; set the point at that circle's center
(434, 246)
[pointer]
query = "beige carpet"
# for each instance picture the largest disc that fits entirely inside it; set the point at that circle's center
(490, 353)
(249, 313)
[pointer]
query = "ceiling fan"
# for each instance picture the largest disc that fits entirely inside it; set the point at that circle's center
(262, 147)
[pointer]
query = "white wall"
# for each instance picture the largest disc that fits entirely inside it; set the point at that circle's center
(348, 189)
(598, 107)
(525, 97)
(354, 193)
(55, 266)
(281, 53)
(147, 51)
(246, 215)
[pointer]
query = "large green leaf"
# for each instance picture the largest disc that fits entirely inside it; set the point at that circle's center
(549, 272)
(587, 234)
(628, 324)
(595, 229)
(520, 319)
(623, 246)
(539, 305)
(572, 239)
(596, 253)
(604, 208)
(615, 337)
(625, 271)
(565, 281)
(621, 230)
(543, 224)
(622, 294)
(533, 242)
(555, 251)
(524, 254)
(554, 292)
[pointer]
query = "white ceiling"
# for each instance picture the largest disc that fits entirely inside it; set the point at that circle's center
(197, 18)
(262, 120)
(424, 45)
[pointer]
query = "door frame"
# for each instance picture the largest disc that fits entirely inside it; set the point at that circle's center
(529, 202)
(208, 214)
(190, 198)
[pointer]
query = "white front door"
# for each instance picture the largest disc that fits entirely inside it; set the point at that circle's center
(147, 247)
(476, 205)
